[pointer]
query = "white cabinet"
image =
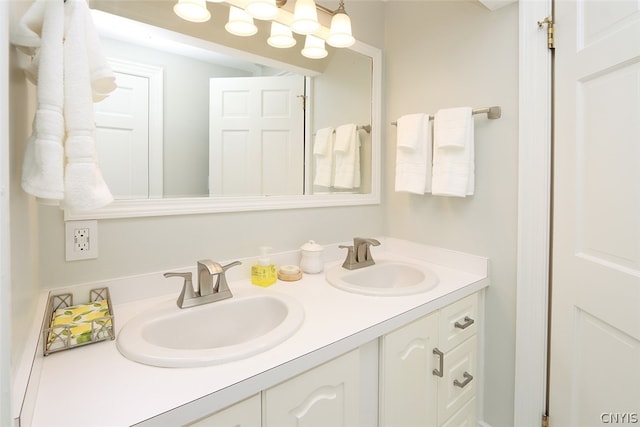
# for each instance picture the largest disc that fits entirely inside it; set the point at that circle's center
(328, 395)
(428, 369)
(424, 374)
(408, 389)
(243, 414)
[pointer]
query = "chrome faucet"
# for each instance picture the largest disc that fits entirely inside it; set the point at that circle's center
(207, 291)
(359, 255)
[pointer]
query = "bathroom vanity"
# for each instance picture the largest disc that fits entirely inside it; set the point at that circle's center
(364, 360)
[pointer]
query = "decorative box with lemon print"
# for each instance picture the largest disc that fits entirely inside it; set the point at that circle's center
(75, 325)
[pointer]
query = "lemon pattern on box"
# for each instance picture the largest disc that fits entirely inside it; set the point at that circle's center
(74, 325)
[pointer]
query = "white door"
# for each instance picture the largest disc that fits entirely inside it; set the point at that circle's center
(122, 137)
(595, 332)
(256, 137)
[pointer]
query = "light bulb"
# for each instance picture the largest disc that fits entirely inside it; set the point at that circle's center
(240, 23)
(192, 10)
(262, 9)
(305, 17)
(314, 47)
(281, 36)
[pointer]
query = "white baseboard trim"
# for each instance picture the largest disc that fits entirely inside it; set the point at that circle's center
(483, 424)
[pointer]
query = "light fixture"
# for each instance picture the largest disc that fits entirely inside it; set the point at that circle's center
(340, 32)
(305, 17)
(303, 20)
(262, 9)
(240, 23)
(314, 47)
(281, 36)
(192, 10)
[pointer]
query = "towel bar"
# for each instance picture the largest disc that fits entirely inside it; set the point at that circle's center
(491, 112)
(366, 128)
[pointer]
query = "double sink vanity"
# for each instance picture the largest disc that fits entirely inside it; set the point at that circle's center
(392, 343)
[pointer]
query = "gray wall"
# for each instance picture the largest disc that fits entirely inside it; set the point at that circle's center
(446, 54)
(25, 246)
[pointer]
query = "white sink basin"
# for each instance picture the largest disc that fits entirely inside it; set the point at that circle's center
(210, 334)
(384, 278)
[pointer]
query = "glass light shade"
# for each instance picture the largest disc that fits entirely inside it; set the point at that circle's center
(192, 10)
(340, 32)
(240, 23)
(281, 36)
(314, 47)
(305, 17)
(262, 9)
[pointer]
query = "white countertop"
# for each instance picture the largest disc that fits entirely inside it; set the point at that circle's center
(95, 385)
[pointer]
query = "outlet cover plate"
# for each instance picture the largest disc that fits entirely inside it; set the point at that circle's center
(81, 239)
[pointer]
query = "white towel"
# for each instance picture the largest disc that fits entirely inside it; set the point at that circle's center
(413, 154)
(347, 155)
(453, 154)
(323, 153)
(40, 34)
(65, 73)
(85, 188)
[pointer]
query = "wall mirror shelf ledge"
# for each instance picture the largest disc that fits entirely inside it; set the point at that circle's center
(196, 162)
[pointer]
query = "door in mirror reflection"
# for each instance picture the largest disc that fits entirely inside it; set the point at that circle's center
(256, 137)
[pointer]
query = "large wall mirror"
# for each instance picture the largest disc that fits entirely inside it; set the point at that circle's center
(198, 126)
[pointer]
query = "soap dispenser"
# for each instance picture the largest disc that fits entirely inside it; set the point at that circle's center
(264, 272)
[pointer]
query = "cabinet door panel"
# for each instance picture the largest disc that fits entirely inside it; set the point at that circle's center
(324, 396)
(408, 387)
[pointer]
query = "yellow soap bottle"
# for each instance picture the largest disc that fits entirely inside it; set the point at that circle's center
(264, 273)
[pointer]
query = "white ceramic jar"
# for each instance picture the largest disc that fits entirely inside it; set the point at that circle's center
(311, 257)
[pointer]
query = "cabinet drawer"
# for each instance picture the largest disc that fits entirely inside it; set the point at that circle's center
(458, 322)
(458, 383)
(465, 417)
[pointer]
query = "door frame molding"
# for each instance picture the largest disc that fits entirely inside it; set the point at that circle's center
(534, 213)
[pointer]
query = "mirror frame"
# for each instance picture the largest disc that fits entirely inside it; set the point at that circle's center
(205, 205)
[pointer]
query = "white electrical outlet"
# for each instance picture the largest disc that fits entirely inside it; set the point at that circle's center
(81, 239)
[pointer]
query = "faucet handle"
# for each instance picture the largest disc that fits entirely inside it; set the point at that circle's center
(231, 264)
(221, 284)
(187, 287)
(350, 260)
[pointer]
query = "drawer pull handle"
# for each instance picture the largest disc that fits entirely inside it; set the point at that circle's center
(439, 372)
(467, 379)
(467, 322)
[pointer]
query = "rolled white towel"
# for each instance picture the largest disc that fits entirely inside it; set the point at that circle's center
(347, 154)
(413, 154)
(453, 155)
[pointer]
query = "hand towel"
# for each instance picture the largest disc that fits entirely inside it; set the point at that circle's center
(453, 155)
(40, 34)
(323, 153)
(67, 64)
(85, 188)
(347, 157)
(413, 154)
